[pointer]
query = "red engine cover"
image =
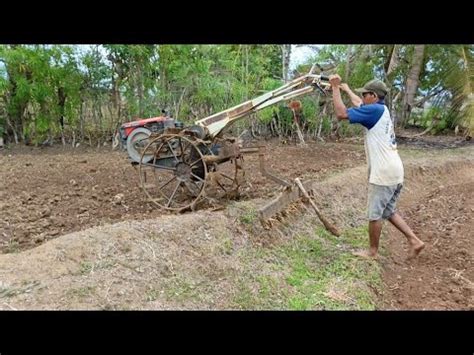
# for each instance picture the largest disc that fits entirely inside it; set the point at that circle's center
(130, 126)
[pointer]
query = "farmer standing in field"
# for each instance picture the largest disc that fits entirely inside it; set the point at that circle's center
(385, 166)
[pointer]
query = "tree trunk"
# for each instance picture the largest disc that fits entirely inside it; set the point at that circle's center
(348, 63)
(286, 54)
(61, 104)
(16, 118)
(81, 119)
(140, 89)
(12, 127)
(412, 82)
(365, 52)
(323, 113)
(116, 110)
(178, 104)
(391, 64)
(394, 61)
(395, 114)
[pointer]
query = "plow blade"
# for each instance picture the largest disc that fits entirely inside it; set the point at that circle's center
(289, 195)
(293, 193)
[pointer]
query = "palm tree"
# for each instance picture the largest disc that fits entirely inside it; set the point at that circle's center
(412, 82)
(462, 104)
(459, 83)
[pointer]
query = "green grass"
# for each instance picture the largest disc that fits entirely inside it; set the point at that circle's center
(248, 216)
(226, 246)
(152, 294)
(356, 237)
(12, 247)
(311, 272)
(181, 289)
(244, 298)
(86, 267)
(81, 292)
(25, 287)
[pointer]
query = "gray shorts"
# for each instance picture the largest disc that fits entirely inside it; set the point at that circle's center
(382, 201)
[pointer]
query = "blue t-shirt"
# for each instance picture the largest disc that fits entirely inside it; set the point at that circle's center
(366, 115)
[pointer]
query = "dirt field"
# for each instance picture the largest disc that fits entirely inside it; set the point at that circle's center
(54, 191)
(48, 193)
(441, 212)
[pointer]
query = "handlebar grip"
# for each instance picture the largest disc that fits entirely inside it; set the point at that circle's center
(324, 78)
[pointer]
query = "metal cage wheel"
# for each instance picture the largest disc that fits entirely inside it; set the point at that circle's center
(175, 177)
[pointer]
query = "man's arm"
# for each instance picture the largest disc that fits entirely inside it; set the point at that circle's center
(339, 107)
(355, 99)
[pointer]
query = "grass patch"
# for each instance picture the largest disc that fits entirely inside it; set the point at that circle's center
(226, 246)
(356, 237)
(152, 294)
(12, 247)
(81, 292)
(248, 216)
(244, 298)
(180, 289)
(310, 272)
(86, 267)
(7, 291)
(261, 292)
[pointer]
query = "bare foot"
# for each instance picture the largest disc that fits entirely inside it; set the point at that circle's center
(365, 254)
(415, 249)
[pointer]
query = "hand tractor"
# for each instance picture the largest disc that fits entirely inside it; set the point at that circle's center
(180, 166)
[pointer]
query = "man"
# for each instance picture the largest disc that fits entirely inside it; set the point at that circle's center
(385, 166)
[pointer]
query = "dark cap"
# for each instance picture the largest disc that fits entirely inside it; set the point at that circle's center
(376, 86)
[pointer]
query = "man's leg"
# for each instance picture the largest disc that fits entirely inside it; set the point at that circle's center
(375, 229)
(416, 245)
(377, 200)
